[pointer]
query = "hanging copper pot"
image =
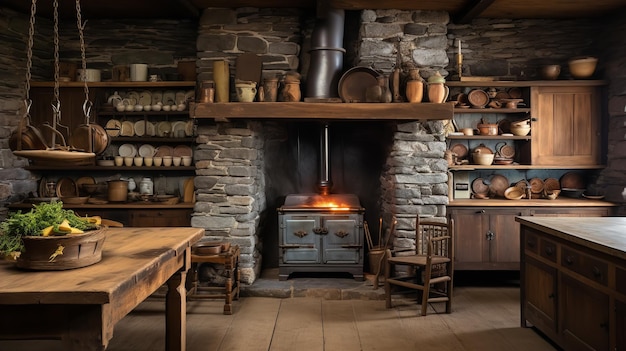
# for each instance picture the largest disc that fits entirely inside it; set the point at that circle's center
(27, 136)
(89, 137)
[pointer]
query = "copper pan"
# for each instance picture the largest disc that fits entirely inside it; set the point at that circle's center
(89, 137)
(26, 136)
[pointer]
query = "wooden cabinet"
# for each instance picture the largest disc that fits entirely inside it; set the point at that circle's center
(572, 280)
(584, 315)
(160, 218)
(541, 295)
(565, 125)
(488, 237)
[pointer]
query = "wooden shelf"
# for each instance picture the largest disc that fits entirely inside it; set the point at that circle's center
(162, 84)
(111, 168)
(142, 113)
(490, 110)
(124, 205)
(150, 139)
(559, 202)
(527, 83)
(518, 166)
(488, 137)
(322, 110)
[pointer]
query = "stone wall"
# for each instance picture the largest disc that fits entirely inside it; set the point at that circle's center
(15, 182)
(613, 60)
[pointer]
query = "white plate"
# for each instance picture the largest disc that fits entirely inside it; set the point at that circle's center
(150, 129)
(128, 129)
(178, 129)
(157, 96)
(145, 98)
(141, 128)
(180, 97)
(113, 127)
(164, 128)
(169, 97)
(189, 127)
(133, 97)
(127, 150)
(146, 150)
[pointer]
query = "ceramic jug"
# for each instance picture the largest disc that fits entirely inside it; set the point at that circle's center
(414, 86)
(437, 89)
(246, 91)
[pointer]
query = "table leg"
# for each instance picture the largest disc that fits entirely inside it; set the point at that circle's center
(175, 313)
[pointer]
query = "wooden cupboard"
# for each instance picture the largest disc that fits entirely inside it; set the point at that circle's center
(565, 125)
(572, 286)
(488, 238)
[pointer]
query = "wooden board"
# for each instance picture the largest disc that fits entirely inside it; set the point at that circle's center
(248, 68)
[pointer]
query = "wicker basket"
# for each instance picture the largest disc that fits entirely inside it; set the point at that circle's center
(55, 253)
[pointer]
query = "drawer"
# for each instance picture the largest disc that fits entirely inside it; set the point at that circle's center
(547, 249)
(585, 265)
(531, 242)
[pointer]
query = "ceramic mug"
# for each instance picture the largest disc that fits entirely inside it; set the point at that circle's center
(119, 160)
(167, 161)
(139, 72)
(128, 161)
(138, 161)
(157, 161)
(246, 91)
(176, 160)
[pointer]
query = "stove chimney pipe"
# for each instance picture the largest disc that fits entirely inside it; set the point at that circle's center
(325, 183)
(326, 54)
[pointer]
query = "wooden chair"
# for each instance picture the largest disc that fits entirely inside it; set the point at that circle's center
(430, 269)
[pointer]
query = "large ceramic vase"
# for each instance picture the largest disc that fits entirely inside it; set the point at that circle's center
(221, 76)
(437, 89)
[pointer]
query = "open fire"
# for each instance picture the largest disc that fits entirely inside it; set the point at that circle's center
(317, 202)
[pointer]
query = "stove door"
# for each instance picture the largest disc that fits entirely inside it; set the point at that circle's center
(298, 243)
(342, 243)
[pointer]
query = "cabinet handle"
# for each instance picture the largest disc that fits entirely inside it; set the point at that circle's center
(534, 119)
(320, 230)
(549, 251)
(531, 243)
(551, 296)
(490, 235)
(342, 234)
(569, 260)
(596, 272)
(604, 326)
(300, 234)
(481, 211)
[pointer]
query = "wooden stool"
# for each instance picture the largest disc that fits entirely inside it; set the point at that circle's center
(230, 291)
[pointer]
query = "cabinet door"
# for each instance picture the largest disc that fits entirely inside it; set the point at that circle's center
(540, 295)
(620, 325)
(584, 316)
(566, 125)
(342, 243)
(504, 238)
(298, 243)
(470, 238)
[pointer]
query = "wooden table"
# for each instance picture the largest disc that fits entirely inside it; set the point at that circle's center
(81, 306)
(573, 280)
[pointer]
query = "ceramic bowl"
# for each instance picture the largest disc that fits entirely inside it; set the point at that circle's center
(550, 72)
(582, 68)
(482, 158)
(520, 130)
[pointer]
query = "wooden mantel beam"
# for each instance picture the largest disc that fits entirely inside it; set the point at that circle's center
(472, 11)
(322, 110)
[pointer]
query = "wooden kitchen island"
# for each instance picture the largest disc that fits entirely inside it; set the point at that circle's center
(573, 280)
(81, 306)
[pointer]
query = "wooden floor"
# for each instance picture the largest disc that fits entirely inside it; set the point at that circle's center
(483, 318)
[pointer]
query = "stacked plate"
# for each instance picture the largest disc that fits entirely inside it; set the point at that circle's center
(127, 150)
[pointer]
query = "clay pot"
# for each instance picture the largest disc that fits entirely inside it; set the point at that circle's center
(414, 86)
(437, 90)
(117, 190)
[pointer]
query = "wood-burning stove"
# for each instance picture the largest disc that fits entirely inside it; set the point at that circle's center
(321, 233)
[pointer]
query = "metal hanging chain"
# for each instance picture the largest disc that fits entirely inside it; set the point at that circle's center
(29, 53)
(87, 105)
(56, 102)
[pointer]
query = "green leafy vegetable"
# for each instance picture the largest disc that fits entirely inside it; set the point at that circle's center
(32, 223)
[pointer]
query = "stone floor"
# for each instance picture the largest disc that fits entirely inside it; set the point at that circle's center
(336, 286)
(329, 286)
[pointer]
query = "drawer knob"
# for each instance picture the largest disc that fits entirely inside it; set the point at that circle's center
(596, 272)
(531, 243)
(300, 234)
(569, 260)
(549, 251)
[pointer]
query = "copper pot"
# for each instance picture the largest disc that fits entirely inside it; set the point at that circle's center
(90, 137)
(488, 128)
(27, 137)
(118, 190)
